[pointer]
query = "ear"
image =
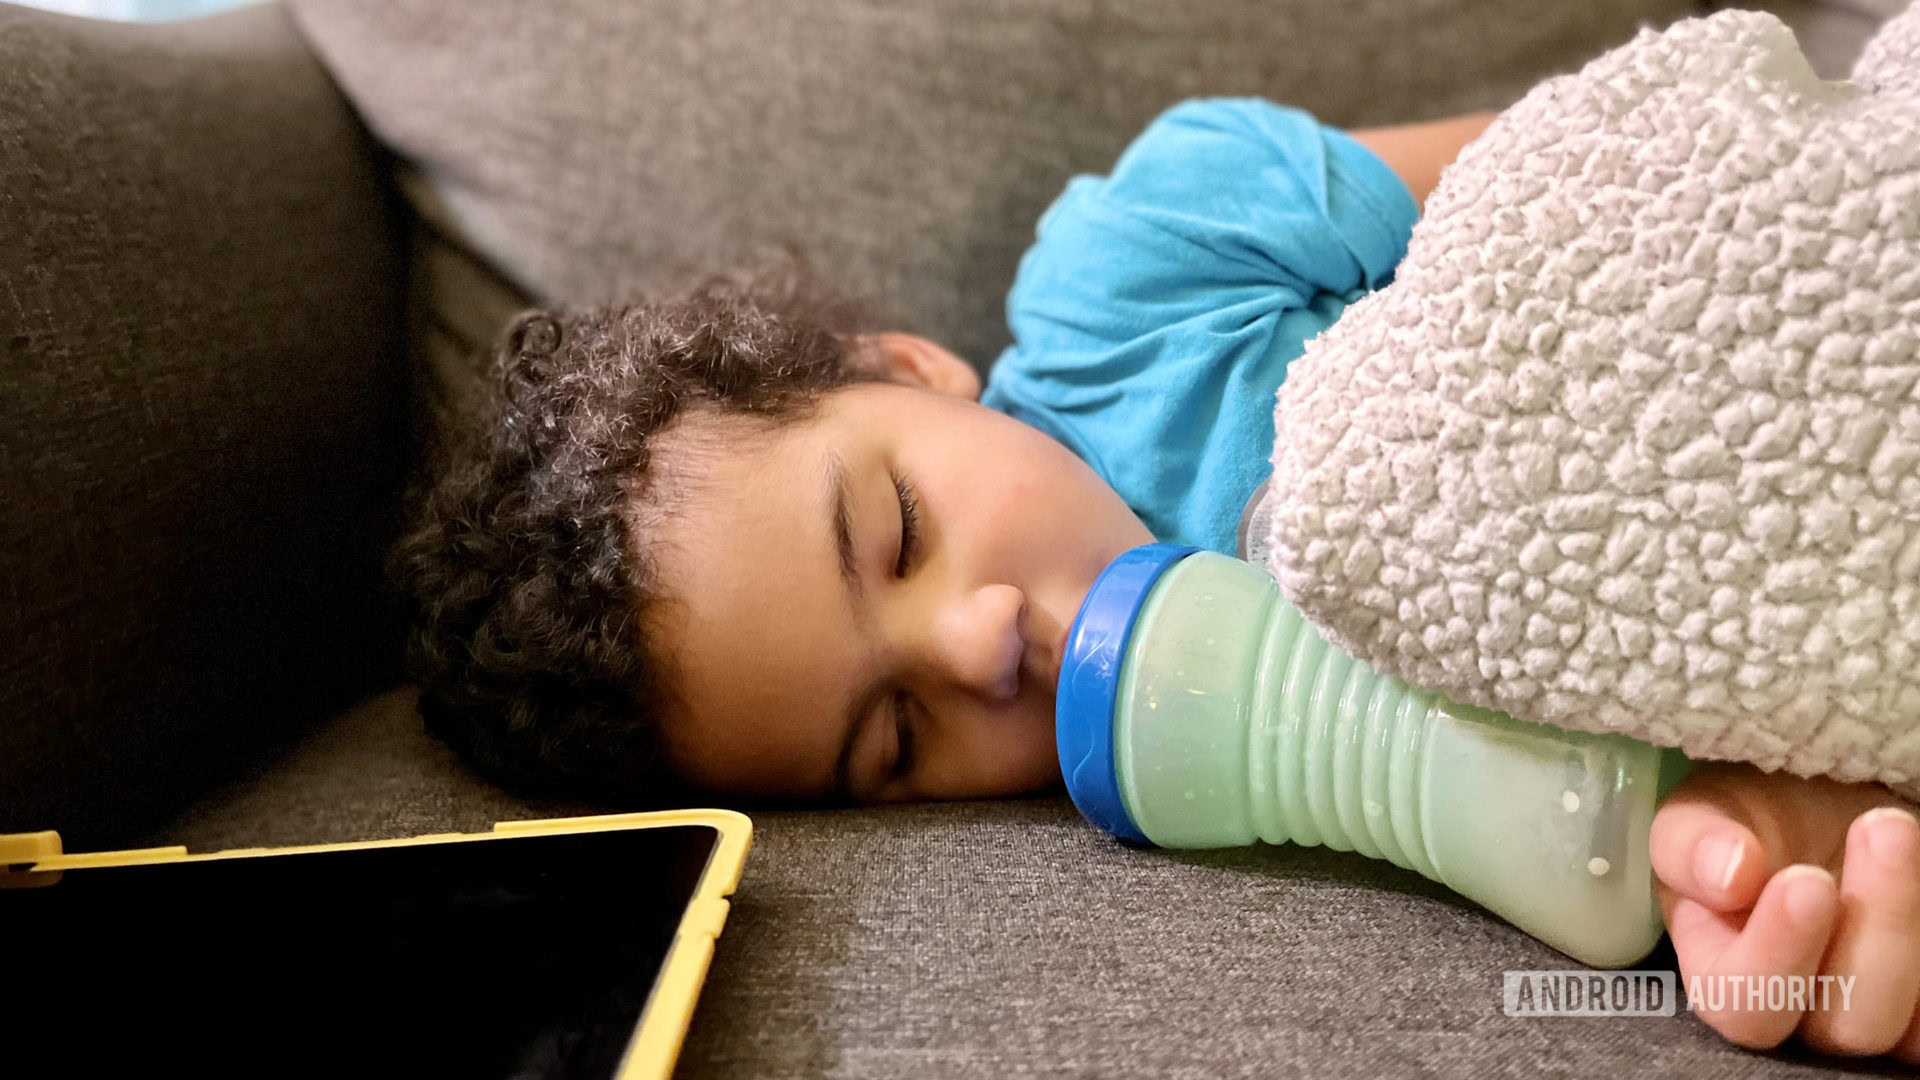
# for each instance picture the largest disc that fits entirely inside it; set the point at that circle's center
(910, 358)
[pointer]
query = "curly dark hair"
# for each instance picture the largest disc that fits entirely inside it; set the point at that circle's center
(528, 585)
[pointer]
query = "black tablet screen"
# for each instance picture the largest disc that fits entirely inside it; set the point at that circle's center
(522, 956)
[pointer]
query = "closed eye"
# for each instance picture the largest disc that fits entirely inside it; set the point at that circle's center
(903, 728)
(909, 547)
(909, 526)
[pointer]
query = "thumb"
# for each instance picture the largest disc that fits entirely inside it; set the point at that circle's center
(1703, 850)
(1729, 827)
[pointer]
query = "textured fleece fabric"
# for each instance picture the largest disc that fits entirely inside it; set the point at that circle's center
(1158, 308)
(1631, 442)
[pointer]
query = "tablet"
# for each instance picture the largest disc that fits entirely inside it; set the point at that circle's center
(570, 947)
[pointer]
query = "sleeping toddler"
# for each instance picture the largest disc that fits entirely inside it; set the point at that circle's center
(739, 542)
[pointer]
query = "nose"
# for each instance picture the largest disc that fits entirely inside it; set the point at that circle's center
(977, 641)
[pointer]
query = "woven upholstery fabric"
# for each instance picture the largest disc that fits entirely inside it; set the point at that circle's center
(203, 429)
(1632, 442)
(1009, 938)
(571, 150)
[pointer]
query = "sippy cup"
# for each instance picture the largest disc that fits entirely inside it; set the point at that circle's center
(1197, 708)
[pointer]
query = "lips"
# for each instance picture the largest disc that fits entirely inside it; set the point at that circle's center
(1047, 665)
(1041, 665)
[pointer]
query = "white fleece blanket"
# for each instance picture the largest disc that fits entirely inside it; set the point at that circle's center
(1632, 442)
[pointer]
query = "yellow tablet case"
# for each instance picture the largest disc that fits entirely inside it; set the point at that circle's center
(669, 1009)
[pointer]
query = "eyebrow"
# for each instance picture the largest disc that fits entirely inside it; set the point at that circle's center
(840, 786)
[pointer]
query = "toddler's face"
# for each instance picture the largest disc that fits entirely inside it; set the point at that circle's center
(824, 661)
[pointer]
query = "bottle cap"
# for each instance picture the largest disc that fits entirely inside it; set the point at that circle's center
(1089, 681)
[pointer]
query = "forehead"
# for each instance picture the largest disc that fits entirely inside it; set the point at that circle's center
(755, 621)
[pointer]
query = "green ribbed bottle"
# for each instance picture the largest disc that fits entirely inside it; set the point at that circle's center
(1230, 720)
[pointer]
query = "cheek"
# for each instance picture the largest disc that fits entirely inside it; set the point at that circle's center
(994, 752)
(1031, 477)
(1019, 757)
(1040, 764)
(1015, 493)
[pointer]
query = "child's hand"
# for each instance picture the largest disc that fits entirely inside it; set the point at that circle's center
(1771, 874)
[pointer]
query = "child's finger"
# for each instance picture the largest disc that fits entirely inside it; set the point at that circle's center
(1786, 934)
(1909, 1048)
(1877, 939)
(1703, 853)
(1700, 934)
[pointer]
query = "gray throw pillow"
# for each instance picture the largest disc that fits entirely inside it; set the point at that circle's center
(572, 149)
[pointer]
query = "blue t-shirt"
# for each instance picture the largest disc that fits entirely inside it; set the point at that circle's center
(1155, 315)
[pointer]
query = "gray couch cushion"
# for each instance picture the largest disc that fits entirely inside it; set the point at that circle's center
(580, 147)
(1009, 938)
(203, 432)
(370, 773)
